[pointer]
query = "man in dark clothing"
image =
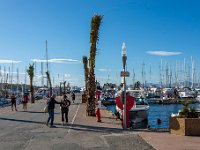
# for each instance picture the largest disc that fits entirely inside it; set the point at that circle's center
(51, 106)
(65, 103)
(13, 101)
(73, 96)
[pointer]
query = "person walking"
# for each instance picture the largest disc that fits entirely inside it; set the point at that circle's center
(25, 101)
(51, 106)
(73, 96)
(13, 102)
(65, 103)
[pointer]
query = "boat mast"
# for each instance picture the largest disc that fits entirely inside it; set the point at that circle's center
(166, 75)
(47, 63)
(9, 75)
(185, 72)
(170, 76)
(17, 79)
(193, 71)
(176, 75)
(25, 80)
(5, 85)
(133, 77)
(161, 73)
(150, 73)
(42, 74)
(4, 74)
(143, 74)
(12, 76)
(188, 75)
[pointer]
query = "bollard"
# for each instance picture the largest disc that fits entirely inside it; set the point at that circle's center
(98, 115)
(158, 121)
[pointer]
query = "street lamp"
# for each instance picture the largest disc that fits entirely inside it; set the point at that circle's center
(124, 57)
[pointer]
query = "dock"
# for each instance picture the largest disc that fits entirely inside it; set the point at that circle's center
(170, 100)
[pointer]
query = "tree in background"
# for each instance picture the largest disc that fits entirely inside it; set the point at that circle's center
(94, 37)
(49, 80)
(30, 72)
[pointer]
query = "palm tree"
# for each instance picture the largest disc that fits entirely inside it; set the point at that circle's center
(49, 80)
(30, 72)
(85, 67)
(94, 37)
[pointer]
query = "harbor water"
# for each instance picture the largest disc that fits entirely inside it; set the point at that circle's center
(162, 112)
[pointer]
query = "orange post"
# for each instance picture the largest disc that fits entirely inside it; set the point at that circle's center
(98, 115)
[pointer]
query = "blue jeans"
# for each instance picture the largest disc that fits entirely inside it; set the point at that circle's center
(51, 116)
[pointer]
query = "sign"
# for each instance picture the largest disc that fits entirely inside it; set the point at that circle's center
(124, 74)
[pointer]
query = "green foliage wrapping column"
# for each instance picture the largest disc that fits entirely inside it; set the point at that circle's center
(94, 37)
(49, 80)
(85, 67)
(30, 72)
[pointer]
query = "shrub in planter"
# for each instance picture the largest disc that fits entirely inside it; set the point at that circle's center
(187, 122)
(187, 112)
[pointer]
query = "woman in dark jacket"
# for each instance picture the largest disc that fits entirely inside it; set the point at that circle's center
(65, 103)
(51, 106)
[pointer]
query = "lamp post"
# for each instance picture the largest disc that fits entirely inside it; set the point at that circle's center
(124, 57)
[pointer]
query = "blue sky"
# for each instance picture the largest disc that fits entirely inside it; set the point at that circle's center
(150, 29)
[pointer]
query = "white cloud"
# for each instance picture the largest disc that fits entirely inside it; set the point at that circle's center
(67, 75)
(9, 61)
(105, 70)
(163, 53)
(22, 73)
(65, 61)
(102, 77)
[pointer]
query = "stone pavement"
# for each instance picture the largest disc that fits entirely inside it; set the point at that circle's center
(86, 133)
(115, 137)
(167, 141)
(27, 131)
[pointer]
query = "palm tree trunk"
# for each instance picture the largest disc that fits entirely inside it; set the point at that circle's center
(30, 72)
(49, 80)
(94, 36)
(32, 91)
(85, 67)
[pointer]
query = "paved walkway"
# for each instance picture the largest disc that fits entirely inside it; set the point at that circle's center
(27, 131)
(166, 141)
(158, 140)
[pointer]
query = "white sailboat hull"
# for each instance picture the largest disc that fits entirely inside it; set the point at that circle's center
(137, 114)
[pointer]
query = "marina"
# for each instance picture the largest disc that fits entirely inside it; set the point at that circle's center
(160, 111)
(100, 75)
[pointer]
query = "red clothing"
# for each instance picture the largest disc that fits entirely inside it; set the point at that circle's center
(25, 98)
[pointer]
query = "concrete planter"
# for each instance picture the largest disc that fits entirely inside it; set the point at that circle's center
(185, 126)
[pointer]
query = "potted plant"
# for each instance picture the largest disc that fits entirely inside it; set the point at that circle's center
(187, 122)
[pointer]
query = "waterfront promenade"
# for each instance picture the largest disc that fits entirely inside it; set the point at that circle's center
(27, 131)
